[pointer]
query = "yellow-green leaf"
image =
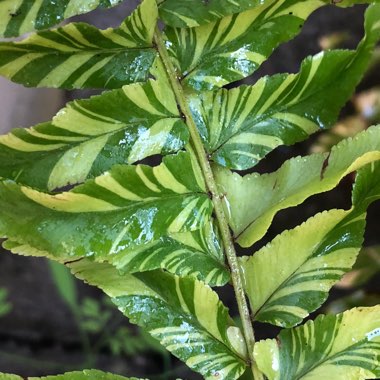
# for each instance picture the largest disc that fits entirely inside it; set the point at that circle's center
(79, 55)
(215, 54)
(185, 315)
(240, 126)
(138, 218)
(253, 200)
(341, 347)
(88, 137)
(21, 16)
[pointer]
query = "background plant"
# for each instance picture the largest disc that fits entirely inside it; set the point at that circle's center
(154, 238)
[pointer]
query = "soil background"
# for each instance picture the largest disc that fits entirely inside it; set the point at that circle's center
(39, 336)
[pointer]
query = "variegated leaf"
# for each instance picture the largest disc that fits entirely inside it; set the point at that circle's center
(191, 13)
(304, 264)
(21, 16)
(307, 261)
(88, 374)
(240, 126)
(88, 137)
(127, 212)
(79, 55)
(341, 347)
(215, 54)
(185, 315)
(253, 200)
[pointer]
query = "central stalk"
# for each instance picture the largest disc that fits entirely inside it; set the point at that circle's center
(216, 199)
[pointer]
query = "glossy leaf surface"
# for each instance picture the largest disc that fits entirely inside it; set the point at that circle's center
(88, 137)
(341, 347)
(240, 126)
(307, 261)
(87, 374)
(295, 181)
(185, 315)
(191, 13)
(215, 54)
(21, 16)
(127, 212)
(79, 55)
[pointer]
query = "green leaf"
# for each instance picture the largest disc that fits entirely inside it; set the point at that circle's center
(135, 217)
(88, 137)
(307, 261)
(191, 13)
(87, 374)
(5, 306)
(252, 201)
(21, 16)
(79, 55)
(64, 283)
(215, 54)
(240, 126)
(341, 347)
(304, 264)
(185, 315)
(367, 185)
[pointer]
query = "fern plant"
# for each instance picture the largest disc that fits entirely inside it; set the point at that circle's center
(156, 239)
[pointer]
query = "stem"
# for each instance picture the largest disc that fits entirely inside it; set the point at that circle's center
(216, 199)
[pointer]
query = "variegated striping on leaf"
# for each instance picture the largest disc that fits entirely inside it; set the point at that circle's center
(341, 347)
(21, 16)
(185, 315)
(191, 13)
(88, 137)
(138, 218)
(215, 54)
(240, 126)
(79, 55)
(305, 263)
(295, 181)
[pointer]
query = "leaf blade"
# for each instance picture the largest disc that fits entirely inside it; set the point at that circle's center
(345, 346)
(88, 137)
(295, 181)
(168, 307)
(240, 126)
(305, 263)
(136, 217)
(215, 54)
(79, 55)
(190, 13)
(22, 16)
